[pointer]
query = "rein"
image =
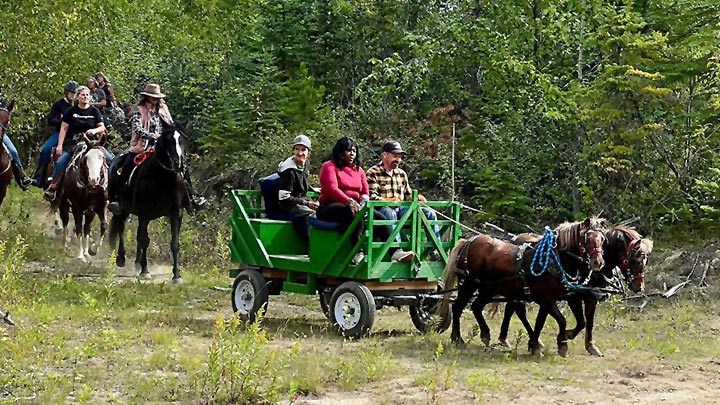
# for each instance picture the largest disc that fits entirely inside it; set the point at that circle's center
(544, 256)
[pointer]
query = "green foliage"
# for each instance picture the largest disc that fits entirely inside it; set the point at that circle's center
(572, 108)
(241, 368)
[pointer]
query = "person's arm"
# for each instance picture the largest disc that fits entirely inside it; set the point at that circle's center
(100, 94)
(365, 190)
(329, 184)
(61, 137)
(136, 123)
(111, 92)
(285, 197)
(55, 117)
(373, 185)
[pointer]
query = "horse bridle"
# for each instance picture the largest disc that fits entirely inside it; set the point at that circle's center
(585, 256)
(630, 256)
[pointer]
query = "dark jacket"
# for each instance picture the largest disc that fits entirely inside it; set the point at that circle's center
(293, 184)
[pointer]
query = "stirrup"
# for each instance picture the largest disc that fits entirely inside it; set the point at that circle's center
(50, 194)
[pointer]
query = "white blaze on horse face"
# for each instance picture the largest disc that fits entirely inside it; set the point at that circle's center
(95, 160)
(178, 149)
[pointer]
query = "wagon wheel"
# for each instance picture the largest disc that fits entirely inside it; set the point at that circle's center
(426, 318)
(325, 298)
(249, 294)
(352, 310)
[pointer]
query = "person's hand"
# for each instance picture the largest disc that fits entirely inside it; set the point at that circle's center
(312, 205)
(354, 206)
(421, 198)
(58, 150)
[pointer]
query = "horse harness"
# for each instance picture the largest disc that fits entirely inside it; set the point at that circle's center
(4, 129)
(632, 248)
(464, 273)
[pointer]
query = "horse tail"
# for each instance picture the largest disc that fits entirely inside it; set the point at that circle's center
(449, 280)
(117, 227)
(494, 308)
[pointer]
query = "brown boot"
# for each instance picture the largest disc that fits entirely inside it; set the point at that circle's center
(51, 191)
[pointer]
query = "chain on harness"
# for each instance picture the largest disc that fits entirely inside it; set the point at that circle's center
(544, 256)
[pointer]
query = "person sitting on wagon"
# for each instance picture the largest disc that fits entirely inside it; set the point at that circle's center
(343, 190)
(388, 182)
(292, 194)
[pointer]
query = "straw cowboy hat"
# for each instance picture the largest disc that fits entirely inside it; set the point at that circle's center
(152, 90)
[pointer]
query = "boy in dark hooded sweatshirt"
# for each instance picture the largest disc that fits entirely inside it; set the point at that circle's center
(292, 194)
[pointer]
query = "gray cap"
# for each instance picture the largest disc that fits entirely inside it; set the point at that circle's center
(302, 140)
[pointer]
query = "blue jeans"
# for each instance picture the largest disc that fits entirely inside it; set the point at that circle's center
(64, 159)
(47, 149)
(397, 212)
(13, 152)
(61, 163)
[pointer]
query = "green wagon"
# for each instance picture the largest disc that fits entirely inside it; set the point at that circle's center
(271, 258)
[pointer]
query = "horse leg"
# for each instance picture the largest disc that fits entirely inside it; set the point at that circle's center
(465, 293)
(143, 241)
(3, 192)
(562, 325)
(505, 326)
(576, 307)
(477, 307)
(78, 218)
(533, 343)
(103, 227)
(175, 223)
(590, 306)
(87, 230)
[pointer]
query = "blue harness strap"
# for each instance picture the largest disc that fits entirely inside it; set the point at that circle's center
(545, 255)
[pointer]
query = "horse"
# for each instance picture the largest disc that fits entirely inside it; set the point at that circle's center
(626, 249)
(84, 192)
(5, 159)
(156, 189)
(492, 267)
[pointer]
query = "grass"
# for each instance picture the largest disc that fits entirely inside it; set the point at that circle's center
(102, 338)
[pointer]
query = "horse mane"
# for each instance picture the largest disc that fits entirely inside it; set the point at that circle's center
(646, 245)
(623, 231)
(568, 233)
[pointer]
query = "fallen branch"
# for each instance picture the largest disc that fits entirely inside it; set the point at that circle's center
(702, 279)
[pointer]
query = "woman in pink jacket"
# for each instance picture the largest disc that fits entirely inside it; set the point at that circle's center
(343, 191)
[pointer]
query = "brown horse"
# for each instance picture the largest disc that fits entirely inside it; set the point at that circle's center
(5, 160)
(626, 249)
(85, 194)
(492, 267)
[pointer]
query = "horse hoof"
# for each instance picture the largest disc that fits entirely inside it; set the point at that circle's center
(504, 343)
(593, 350)
(486, 341)
(120, 263)
(537, 353)
(178, 280)
(563, 350)
(146, 275)
(93, 250)
(459, 342)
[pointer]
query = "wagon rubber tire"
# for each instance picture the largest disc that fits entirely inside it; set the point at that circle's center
(325, 298)
(352, 310)
(425, 319)
(249, 294)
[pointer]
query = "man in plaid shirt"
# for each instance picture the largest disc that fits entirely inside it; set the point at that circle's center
(388, 182)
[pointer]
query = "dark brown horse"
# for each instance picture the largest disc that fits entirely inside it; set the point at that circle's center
(493, 267)
(5, 160)
(85, 194)
(625, 249)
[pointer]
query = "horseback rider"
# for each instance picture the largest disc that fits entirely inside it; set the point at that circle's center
(147, 122)
(57, 112)
(21, 178)
(82, 121)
